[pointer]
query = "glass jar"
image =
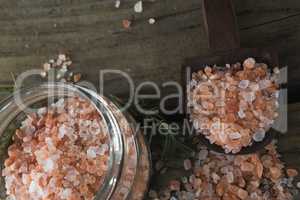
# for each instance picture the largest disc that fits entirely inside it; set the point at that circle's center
(128, 170)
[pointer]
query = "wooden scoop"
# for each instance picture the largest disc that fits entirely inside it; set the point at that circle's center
(222, 31)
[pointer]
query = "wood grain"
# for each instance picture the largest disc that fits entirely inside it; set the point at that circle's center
(220, 24)
(33, 31)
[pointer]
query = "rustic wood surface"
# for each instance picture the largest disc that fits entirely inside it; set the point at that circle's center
(33, 31)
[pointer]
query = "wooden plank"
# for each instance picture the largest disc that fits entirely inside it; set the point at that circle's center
(253, 13)
(92, 30)
(220, 24)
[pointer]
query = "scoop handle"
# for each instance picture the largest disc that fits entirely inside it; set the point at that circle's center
(221, 24)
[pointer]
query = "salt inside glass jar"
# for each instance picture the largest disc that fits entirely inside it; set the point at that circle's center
(126, 168)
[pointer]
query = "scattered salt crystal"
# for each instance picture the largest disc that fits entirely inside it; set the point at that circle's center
(62, 57)
(235, 136)
(64, 69)
(138, 7)
(259, 135)
(117, 3)
(151, 21)
(59, 62)
(47, 67)
(298, 185)
(244, 84)
(43, 74)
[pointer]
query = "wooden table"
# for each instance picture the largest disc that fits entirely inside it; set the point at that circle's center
(33, 31)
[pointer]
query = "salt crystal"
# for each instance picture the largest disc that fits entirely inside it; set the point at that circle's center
(138, 7)
(241, 114)
(263, 84)
(25, 179)
(276, 70)
(254, 87)
(235, 136)
(249, 63)
(35, 189)
(43, 74)
(47, 67)
(196, 124)
(151, 21)
(215, 177)
(62, 131)
(249, 96)
(117, 3)
(62, 57)
(230, 177)
(50, 144)
(298, 185)
(42, 111)
(48, 165)
(64, 68)
(91, 152)
(65, 193)
(59, 103)
(244, 84)
(259, 135)
(104, 148)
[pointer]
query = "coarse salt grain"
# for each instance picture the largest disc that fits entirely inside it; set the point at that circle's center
(259, 135)
(92, 152)
(235, 136)
(237, 96)
(117, 3)
(138, 7)
(43, 153)
(151, 21)
(244, 84)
